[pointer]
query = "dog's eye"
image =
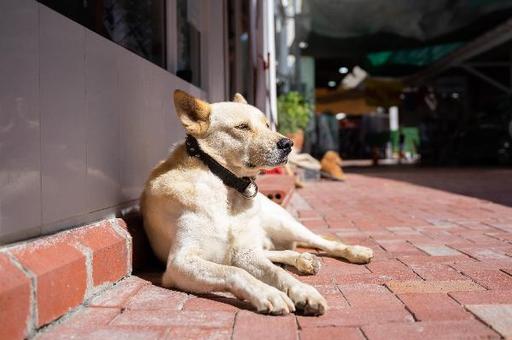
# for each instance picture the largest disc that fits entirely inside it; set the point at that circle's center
(268, 125)
(243, 126)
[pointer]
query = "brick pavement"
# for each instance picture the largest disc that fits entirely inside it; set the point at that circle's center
(442, 269)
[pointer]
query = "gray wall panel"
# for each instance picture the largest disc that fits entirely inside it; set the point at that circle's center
(63, 116)
(20, 148)
(83, 116)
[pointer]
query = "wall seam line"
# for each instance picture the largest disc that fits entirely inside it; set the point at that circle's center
(40, 117)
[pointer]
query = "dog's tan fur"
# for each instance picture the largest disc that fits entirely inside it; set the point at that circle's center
(214, 239)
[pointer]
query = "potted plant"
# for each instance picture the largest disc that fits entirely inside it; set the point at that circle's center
(293, 113)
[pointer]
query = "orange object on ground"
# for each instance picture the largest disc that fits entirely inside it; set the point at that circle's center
(331, 165)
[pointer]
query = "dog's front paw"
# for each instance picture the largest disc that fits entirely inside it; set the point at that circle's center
(358, 254)
(307, 263)
(270, 300)
(308, 300)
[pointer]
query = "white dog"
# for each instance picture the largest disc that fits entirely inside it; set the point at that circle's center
(206, 220)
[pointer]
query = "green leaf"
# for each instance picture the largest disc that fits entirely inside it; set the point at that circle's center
(293, 112)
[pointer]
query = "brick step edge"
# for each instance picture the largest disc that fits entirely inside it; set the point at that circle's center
(279, 188)
(44, 278)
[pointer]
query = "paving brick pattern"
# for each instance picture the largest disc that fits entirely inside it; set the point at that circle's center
(442, 270)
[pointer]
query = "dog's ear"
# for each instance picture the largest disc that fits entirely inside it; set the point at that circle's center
(193, 113)
(238, 98)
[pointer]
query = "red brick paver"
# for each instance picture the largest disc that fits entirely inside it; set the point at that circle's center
(43, 279)
(324, 333)
(442, 270)
(434, 307)
(251, 326)
(14, 299)
(471, 329)
(61, 277)
(109, 254)
(499, 317)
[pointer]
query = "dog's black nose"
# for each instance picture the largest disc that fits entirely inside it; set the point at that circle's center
(284, 143)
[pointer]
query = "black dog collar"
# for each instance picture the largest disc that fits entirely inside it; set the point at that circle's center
(244, 185)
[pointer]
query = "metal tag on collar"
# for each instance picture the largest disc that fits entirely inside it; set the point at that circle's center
(251, 190)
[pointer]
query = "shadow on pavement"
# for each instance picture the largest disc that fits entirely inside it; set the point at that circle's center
(492, 184)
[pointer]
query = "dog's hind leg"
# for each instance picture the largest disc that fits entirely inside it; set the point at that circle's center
(195, 274)
(305, 263)
(282, 227)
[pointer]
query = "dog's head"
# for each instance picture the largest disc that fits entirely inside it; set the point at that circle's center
(235, 133)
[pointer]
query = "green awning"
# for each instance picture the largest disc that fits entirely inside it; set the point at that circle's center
(417, 56)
